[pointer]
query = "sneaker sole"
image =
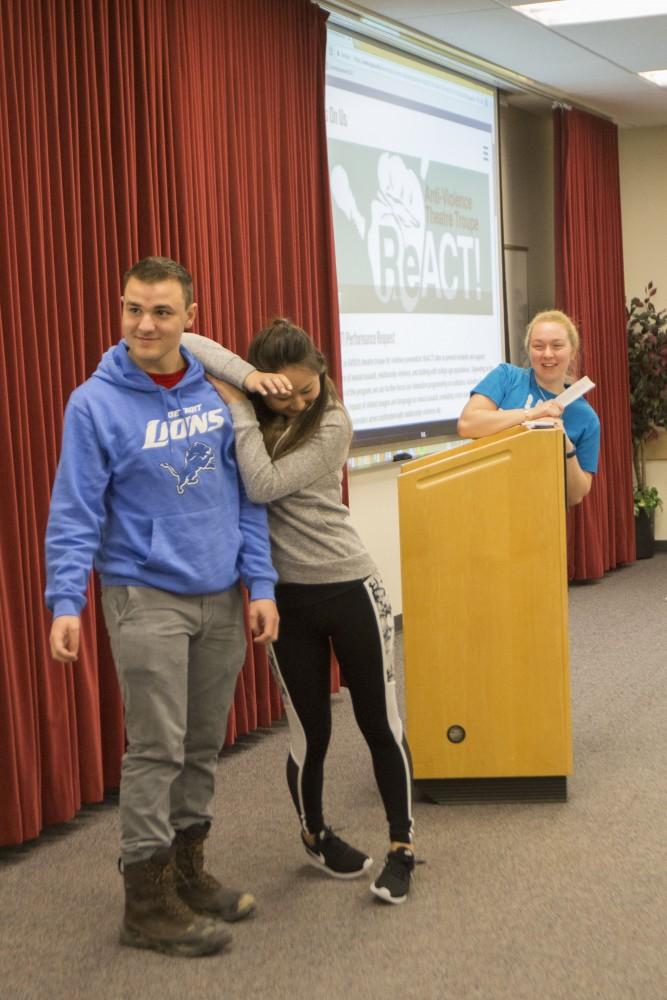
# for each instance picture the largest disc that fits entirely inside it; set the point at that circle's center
(321, 866)
(386, 896)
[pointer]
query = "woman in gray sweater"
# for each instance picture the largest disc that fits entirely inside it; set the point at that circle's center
(291, 444)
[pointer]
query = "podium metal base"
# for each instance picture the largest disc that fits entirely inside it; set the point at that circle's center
(457, 790)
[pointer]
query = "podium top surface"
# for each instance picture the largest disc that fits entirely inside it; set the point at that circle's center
(490, 441)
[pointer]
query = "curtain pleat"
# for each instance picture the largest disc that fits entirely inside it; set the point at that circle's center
(590, 288)
(189, 128)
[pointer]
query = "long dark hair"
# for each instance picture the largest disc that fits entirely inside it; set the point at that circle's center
(280, 345)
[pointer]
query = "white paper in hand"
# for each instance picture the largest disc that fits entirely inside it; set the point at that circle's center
(575, 390)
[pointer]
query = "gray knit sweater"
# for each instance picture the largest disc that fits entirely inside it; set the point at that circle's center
(312, 538)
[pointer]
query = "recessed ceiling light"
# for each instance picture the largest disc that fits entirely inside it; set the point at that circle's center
(587, 11)
(658, 76)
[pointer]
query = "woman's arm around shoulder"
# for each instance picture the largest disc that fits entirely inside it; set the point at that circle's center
(230, 368)
(216, 359)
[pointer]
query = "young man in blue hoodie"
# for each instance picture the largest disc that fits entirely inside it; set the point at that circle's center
(148, 491)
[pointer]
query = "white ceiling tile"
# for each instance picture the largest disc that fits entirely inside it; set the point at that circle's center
(400, 9)
(511, 41)
(594, 65)
(638, 44)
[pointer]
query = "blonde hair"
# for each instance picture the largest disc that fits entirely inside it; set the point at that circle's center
(553, 316)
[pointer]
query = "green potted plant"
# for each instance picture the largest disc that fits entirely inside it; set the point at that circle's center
(647, 358)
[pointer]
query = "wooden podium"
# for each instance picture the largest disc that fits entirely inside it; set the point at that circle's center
(484, 577)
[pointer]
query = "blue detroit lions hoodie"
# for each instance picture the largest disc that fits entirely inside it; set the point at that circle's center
(148, 489)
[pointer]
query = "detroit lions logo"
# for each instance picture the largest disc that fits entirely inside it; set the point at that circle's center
(199, 457)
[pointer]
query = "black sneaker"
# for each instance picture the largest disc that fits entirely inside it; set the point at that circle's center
(335, 857)
(393, 883)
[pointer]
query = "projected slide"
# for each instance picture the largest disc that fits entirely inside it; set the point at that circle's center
(413, 175)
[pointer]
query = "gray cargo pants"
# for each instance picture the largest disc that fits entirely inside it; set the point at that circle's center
(178, 658)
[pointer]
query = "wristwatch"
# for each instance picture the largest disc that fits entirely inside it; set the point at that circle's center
(571, 454)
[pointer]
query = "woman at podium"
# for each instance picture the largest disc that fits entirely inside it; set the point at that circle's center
(509, 396)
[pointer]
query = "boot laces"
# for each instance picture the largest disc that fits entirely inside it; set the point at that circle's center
(190, 866)
(166, 880)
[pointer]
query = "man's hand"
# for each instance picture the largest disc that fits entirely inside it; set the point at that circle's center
(268, 382)
(263, 616)
(64, 638)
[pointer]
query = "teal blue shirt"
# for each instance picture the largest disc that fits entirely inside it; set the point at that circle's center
(512, 388)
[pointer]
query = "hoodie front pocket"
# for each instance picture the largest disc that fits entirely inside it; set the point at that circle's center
(193, 551)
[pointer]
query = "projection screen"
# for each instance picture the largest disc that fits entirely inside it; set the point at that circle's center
(414, 175)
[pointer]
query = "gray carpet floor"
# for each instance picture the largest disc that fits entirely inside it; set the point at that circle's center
(516, 901)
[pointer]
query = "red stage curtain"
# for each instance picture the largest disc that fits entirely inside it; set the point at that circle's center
(590, 289)
(131, 127)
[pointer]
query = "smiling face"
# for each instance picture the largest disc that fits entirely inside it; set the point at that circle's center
(305, 389)
(551, 352)
(154, 318)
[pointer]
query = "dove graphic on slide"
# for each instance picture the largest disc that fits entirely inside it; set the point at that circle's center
(396, 233)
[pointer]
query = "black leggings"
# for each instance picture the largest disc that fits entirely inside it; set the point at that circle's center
(358, 624)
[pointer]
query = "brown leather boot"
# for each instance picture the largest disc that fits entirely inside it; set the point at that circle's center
(157, 918)
(197, 887)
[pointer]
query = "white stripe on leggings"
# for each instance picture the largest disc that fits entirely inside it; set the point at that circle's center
(385, 624)
(297, 734)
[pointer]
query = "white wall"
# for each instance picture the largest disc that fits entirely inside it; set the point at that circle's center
(656, 474)
(643, 160)
(643, 168)
(374, 510)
